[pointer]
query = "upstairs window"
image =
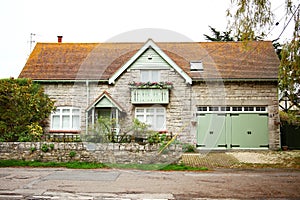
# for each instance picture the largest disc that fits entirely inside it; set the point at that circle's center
(65, 118)
(150, 76)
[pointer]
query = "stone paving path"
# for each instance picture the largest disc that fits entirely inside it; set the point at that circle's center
(209, 160)
(241, 159)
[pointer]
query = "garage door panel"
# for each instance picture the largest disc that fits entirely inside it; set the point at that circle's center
(249, 130)
(211, 131)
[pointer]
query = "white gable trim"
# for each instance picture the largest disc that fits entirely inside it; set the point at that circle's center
(104, 95)
(148, 44)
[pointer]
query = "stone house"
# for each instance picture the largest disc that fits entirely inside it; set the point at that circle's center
(219, 95)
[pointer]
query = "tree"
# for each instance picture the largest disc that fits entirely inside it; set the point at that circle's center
(289, 69)
(250, 20)
(218, 36)
(24, 109)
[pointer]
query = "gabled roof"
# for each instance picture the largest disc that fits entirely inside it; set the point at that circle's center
(105, 94)
(106, 61)
(150, 44)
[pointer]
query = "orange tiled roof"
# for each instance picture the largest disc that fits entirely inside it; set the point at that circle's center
(99, 61)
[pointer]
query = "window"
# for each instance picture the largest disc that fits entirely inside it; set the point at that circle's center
(223, 108)
(261, 108)
(196, 65)
(154, 116)
(214, 108)
(251, 108)
(65, 118)
(237, 108)
(150, 76)
(230, 109)
(202, 108)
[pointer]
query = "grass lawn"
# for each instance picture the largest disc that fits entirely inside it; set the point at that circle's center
(88, 165)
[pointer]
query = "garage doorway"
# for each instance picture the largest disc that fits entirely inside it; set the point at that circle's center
(220, 127)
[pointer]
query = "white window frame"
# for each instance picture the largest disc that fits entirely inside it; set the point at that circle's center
(71, 114)
(232, 109)
(150, 74)
(145, 112)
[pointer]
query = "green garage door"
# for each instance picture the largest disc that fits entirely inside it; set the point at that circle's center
(211, 130)
(232, 128)
(249, 130)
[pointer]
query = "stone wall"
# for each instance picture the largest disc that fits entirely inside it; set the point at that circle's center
(90, 152)
(184, 99)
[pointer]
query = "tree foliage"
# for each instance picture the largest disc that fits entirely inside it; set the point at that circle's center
(24, 108)
(289, 69)
(250, 19)
(219, 36)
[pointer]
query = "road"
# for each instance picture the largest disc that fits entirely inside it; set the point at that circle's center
(60, 183)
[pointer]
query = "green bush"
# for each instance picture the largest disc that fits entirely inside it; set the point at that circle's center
(45, 148)
(24, 110)
(72, 154)
(51, 146)
(189, 148)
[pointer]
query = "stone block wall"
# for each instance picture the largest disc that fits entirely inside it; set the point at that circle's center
(90, 152)
(184, 99)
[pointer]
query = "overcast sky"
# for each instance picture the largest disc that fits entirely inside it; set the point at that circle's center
(103, 20)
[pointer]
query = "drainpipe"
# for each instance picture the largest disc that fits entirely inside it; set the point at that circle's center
(87, 104)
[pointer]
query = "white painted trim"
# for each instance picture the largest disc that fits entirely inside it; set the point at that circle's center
(100, 98)
(148, 44)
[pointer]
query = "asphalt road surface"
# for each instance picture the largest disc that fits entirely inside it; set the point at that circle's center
(60, 183)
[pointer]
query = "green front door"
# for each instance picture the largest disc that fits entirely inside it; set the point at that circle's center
(211, 131)
(249, 130)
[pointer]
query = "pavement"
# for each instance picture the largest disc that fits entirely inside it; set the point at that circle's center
(116, 184)
(231, 175)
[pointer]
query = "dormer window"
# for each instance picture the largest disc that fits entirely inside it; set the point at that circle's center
(196, 65)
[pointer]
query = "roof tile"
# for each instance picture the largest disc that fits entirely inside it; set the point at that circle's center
(99, 61)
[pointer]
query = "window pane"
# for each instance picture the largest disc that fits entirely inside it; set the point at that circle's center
(75, 111)
(55, 122)
(57, 111)
(160, 122)
(155, 76)
(66, 111)
(145, 76)
(202, 108)
(160, 110)
(66, 122)
(150, 120)
(75, 122)
(150, 110)
(139, 110)
(140, 118)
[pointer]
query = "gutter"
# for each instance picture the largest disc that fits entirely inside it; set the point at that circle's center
(70, 81)
(236, 80)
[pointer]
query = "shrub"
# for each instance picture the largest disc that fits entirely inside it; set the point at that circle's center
(24, 108)
(45, 148)
(51, 146)
(72, 154)
(32, 149)
(189, 148)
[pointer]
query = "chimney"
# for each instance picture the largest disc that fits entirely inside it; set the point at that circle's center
(59, 38)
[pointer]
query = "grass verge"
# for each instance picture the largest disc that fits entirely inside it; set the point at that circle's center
(89, 165)
(73, 165)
